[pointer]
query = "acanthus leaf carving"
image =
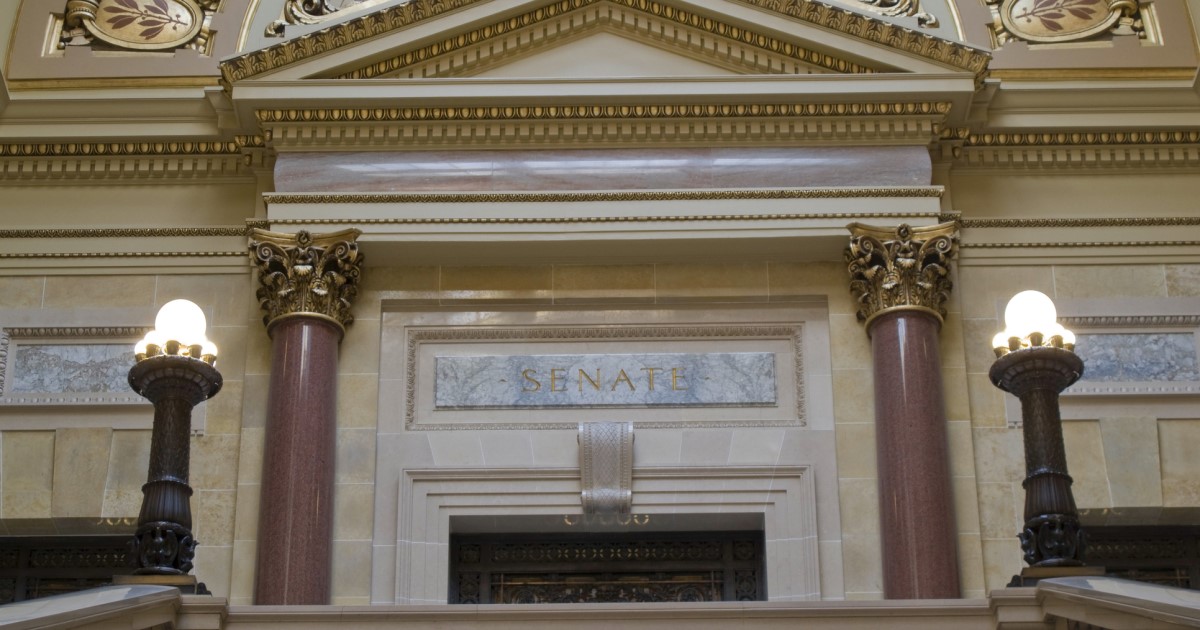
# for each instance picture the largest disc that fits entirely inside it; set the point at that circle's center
(902, 267)
(305, 273)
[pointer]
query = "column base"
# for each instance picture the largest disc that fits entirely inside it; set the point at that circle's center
(186, 584)
(1030, 576)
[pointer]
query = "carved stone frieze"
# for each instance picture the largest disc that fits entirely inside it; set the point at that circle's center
(1055, 21)
(149, 25)
(304, 273)
(606, 467)
(902, 267)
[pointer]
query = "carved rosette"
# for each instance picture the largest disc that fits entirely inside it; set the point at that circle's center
(307, 274)
(901, 268)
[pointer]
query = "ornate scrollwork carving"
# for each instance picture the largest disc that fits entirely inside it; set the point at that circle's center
(307, 273)
(312, 12)
(138, 24)
(1052, 21)
(163, 548)
(1053, 540)
(902, 267)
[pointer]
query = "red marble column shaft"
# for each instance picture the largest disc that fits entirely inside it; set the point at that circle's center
(920, 558)
(295, 529)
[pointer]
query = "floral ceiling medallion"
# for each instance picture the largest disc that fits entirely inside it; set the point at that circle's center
(1048, 21)
(136, 24)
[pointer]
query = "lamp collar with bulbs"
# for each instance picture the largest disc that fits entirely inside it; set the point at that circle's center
(178, 331)
(1030, 321)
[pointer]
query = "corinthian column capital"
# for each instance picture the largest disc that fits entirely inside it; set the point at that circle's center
(901, 268)
(303, 274)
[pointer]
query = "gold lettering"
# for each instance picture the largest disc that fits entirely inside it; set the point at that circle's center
(595, 383)
(650, 371)
(622, 376)
(529, 377)
(676, 374)
(554, 377)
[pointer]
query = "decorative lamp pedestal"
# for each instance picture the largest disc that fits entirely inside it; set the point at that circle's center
(1052, 540)
(163, 543)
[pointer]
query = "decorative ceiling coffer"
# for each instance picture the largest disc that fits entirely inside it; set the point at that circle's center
(606, 467)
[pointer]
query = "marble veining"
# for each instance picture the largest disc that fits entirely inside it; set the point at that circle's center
(605, 380)
(601, 169)
(70, 368)
(1138, 357)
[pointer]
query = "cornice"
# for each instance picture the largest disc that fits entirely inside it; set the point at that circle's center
(115, 160)
(77, 331)
(1075, 138)
(1075, 149)
(840, 19)
(623, 124)
(595, 112)
(670, 195)
(669, 25)
(105, 149)
(827, 16)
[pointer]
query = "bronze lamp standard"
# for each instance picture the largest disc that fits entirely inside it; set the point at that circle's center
(174, 370)
(1036, 361)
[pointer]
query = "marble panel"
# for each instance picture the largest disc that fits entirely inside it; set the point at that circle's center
(1139, 357)
(601, 169)
(70, 368)
(605, 380)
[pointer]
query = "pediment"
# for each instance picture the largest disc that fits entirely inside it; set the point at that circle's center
(540, 39)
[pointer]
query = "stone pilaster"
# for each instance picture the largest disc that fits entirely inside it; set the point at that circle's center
(307, 284)
(901, 280)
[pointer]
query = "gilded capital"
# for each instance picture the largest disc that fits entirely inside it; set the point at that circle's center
(306, 274)
(901, 268)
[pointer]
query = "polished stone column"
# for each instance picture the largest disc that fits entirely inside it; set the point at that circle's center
(307, 285)
(900, 277)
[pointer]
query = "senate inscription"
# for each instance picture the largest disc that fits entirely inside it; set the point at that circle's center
(608, 380)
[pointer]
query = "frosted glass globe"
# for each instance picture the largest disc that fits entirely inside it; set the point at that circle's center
(182, 321)
(1000, 340)
(1029, 312)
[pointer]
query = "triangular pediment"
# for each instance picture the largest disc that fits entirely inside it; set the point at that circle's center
(539, 39)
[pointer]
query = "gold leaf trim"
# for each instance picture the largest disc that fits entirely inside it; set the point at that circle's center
(1083, 244)
(839, 19)
(122, 255)
(900, 268)
(1072, 223)
(651, 7)
(577, 112)
(78, 331)
(400, 16)
(103, 149)
(124, 232)
(778, 193)
(306, 273)
(1128, 321)
(1077, 138)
